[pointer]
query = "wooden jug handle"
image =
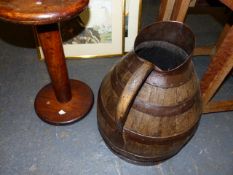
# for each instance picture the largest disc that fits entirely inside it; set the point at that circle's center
(130, 91)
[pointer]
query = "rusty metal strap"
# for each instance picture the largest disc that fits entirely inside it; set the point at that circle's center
(157, 110)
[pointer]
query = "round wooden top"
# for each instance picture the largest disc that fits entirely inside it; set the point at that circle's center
(37, 12)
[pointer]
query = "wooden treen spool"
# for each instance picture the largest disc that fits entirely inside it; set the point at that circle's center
(62, 101)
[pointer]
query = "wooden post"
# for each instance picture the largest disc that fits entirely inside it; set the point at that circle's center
(173, 10)
(50, 40)
(165, 11)
(63, 101)
(219, 67)
(180, 10)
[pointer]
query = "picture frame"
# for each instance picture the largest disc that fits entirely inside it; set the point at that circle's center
(96, 32)
(133, 13)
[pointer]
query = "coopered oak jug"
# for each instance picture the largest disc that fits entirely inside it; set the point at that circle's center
(149, 104)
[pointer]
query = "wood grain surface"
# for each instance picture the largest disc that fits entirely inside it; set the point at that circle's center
(130, 91)
(180, 9)
(219, 68)
(221, 52)
(53, 112)
(147, 135)
(36, 12)
(50, 40)
(218, 106)
(174, 9)
(145, 113)
(63, 101)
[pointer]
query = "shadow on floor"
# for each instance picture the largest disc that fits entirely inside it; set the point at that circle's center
(18, 35)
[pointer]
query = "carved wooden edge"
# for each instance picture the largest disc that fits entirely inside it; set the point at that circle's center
(218, 106)
(218, 69)
(204, 50)
(130, 91)
(48, 12)
(223, 34)
(223, 66)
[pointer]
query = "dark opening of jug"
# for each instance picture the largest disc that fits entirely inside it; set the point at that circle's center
(166, 56)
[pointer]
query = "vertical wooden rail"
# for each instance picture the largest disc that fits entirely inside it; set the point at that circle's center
(173, 10)
(165, 10)
(180, 10)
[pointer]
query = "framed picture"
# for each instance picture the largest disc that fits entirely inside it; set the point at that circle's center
(96, 32)
(133, 10)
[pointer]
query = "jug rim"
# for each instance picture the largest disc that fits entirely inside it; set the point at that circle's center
(187, 58)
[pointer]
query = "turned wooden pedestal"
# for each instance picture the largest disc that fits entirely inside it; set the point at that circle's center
(63, 101)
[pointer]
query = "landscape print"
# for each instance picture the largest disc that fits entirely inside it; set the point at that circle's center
(92, 26)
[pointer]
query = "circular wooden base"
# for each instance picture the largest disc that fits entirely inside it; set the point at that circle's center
(51, 111)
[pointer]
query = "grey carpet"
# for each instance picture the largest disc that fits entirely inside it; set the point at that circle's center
(29, 146)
